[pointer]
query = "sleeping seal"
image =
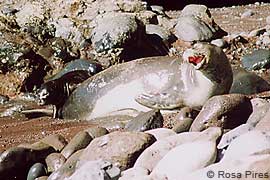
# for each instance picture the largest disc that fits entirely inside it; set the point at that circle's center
(153, 82)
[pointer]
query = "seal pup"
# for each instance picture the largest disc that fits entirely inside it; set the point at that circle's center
(153, 82)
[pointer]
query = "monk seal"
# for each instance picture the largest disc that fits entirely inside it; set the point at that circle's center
(153, 82)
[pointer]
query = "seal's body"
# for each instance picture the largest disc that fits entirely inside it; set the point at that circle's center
(154, 82)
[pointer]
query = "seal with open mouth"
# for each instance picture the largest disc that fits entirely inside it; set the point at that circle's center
(153, 82)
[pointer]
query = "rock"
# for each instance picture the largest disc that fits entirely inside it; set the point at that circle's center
(100, 170)
(145, 121)
(152, 155)
(245, 82)
(186, 112)
(163, 33)
(264, 124)
(219, 42)
(226, 111)
(56, 141)
(147, 17)
(247, 13)
(258, 59)
(42, 178)
(67, 169)
(260, 108)
(161, 133)
(158, 9)
(120, 148)
(37, 170)
(96, 131)
(256, 32)
(3, 99)
(189, 156)
(114, 30)
(16, 161)
(228, 137)
(135, 172)
(54, 161)
(243, 168)
(247, 144)
(79, 141)
(196, 24)
(183, 125)
(266, 40)
(267, 19)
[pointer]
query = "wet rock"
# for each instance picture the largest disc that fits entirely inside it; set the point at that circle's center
(67, 169)
(245, 82)
(99, 170)
(228, 137)
(183, 125)
(79, 141)
(56, 141)
(3, 99)
(96, 131)
(247, 13)
(145, 121)
(152, 155)
(203, 154)
(196, 24)
(16, 161)
(37, 170)
(226, 111)
(120, 148)
(258, 59)
(114, 31)
(55, 161)
(247, 144)
(161, 133)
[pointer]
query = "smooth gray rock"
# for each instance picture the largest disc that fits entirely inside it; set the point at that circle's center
(145, 121)
(37, 170)
(258, 59)
(57, 141)
(96, 131)
(183, 125)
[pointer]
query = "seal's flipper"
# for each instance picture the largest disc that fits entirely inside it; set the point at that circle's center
(160, 100)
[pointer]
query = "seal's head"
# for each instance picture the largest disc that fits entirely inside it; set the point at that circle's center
(212, 62)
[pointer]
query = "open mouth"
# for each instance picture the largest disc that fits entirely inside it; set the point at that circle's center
(195, 60)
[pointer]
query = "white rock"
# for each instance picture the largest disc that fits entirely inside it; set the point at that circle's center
(185, 159)
(247, 144)
(161, 133)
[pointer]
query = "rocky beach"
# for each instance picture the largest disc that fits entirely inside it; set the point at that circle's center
(134, 90)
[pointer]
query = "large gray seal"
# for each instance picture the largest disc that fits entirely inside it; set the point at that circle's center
(153, 82)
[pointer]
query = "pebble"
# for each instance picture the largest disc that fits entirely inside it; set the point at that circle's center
(225, 111)
(258, 59)
(145, 121)
(79, 141)
(247, 13)
(120, 148)
(54, 161)
(183, 125)
(37, 170)
(219, 42)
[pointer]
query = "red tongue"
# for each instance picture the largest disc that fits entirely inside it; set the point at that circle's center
(195, 59)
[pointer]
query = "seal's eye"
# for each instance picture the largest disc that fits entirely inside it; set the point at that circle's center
(195, 59)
